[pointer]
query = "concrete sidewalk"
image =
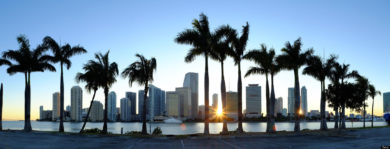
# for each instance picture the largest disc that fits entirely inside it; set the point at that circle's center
(367, 138)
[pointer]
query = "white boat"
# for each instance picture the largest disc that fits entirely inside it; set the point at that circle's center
(172, 120)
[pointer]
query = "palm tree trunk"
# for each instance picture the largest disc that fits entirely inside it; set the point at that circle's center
(336, 117)
(206, 98)
(323, 118)
(364, 115)
(105, 110)
(223, 98)
(144, 129)
(27, 105)
(89, 110)
(1, 107)
(239, 90)
(297, 101)
(272, 106)
(343, 116)
(372, 112)
(61, 129)
(267, 103)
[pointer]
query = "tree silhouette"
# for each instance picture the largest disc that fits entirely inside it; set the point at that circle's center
(2, 62)
(372, 92)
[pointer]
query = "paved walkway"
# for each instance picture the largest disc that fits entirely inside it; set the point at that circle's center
(369, 138)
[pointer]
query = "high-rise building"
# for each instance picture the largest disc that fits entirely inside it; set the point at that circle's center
(184, 94)
(284, 112)
(96, 111)
(67, 109)
(56, 106)
(303, 106)
(141, 104)
(278, 106)
(253, 99)
(215, 103)
(132, 97)
(173, 104)
(191, 81)
(111, 112)
(386, 102)
(157, 101)
(125, 109)
(76, 102)
(41, 112)
(231, 102)
(291, 101)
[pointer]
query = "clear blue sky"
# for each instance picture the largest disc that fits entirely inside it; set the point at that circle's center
(357, 31)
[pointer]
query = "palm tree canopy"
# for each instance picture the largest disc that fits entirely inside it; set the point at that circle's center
(4, 62)
(293, 57)
(319, 69)
(199, 37)
(372, 92)
(140, 71)
(62, 54)
(265, 59)
(221, 43)
(239, 43)
(91, 77)
(27, 60)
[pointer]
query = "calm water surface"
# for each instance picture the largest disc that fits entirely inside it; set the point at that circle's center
(176, 129)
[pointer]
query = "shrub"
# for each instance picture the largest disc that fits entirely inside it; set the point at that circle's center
(93, 130)
(157, 131)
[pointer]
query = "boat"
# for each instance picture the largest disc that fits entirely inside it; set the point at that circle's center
(172, 120)
(386, 116)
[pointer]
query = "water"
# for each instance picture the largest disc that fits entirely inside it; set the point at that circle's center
(175, 129)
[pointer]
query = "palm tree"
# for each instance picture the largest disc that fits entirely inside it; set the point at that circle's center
(199, 38)
(108, 72)
(264, 59)
(220, 50)
(91, 77)
(292, 59)
(275, 69)
(142, 72)
(239, 45)
(62, 55)
(372, 92)
(319, 70)
(2, 62)
(28, 61)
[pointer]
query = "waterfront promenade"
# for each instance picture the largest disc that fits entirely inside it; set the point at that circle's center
(358, 138)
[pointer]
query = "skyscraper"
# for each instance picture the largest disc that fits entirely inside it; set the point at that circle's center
(279, 106)
(386, 102)
(76, 102)
(173, 104)
(141, 104)
(191, 81)
(111, 112)
(56, 106)
(125, 109)
(215, 102)
(184, 94)
(156, 98)
(291, 101)
(232, 105)
(253, 99)
(96, 111)
(303, 106)
(132, 97)
(41, 112)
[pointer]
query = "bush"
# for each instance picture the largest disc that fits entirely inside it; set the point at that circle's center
(133, 133)
(93, 130)
(157, 131)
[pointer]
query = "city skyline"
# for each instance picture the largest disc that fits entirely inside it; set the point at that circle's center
(124, 45)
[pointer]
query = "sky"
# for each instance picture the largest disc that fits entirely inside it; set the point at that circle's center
(357, 31)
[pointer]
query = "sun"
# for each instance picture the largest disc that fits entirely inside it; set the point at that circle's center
(219, 111)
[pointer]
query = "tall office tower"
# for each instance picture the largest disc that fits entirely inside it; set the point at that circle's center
(41, 112)
(231, 102)
(184, 94)
(284, 112)
(111, 112)
(126, 109)
(253, 99)
(76, 102)
(191, 81)
(132, 97)
(56, 106)
(141, 104)
(173, 104)
(162, 103)
(96, 111)
(303, 106)
(156, 100)
(386, 102)
(291, 101)
(68, 108)
(279, 106)
(215, 102)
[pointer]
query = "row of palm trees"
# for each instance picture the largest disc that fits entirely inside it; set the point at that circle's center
(225, 41)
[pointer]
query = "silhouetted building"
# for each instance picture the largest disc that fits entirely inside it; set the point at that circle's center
(253, 99)
(76, 102)
(278, 106)
(386, 102)
(157, 101)
(215, 102)
(111, 106)
(291, 101)
(184, 94)
(96, 111)
(56, 106)
(191, 81)
(125, 109)
(232, 105)
(132, 97)
(173, 104)
(303, 106)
